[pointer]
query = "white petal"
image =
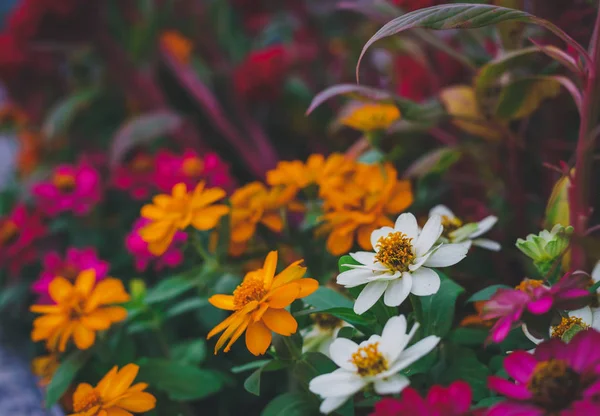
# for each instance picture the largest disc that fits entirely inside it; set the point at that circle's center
(596, 319)
(429, 235)
(372, 339)
(425, 282)
(584, 313)
(338, 383)
(531, 337)
(487, 244)
(341, 351)
(332, 403)
(413, 353)
(407, 223)
(364, 257)
(596, 272)
(398, 290)
(378, 233)
(354, 277)
(369, 296)
(442, 211)
(419, 261)
(448, 254)
(484, 225)
(394, 338)
(378, 276)
(391, 385)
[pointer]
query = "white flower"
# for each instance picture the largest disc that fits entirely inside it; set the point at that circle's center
(456, 232)
(585, 318)
(400, 264)
(319, 336)
(376, 361)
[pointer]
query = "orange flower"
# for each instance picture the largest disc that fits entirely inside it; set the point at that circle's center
(79, 312)
(371, 116)
(114, 395)
(259, 304)
(363, 205)
(44, 367)
(255, 204)
(178, 45)
(475, 319)
(177, 211)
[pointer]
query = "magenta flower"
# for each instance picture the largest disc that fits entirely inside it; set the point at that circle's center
(454, 400)
(137, 177)
(532, 296)
(71, 188)
(190, 169)
(19, 230)
(76, 260)
(138, 248)
(558, 379)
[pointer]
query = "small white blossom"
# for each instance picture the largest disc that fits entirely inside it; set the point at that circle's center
(457, 232)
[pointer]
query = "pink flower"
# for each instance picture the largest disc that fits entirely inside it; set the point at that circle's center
(190, 168)
(139, 249)
(509, 305)
(557, 379)
(75, 261)
(18, 232)
(136, 177)
(454, 400)
(70, 188)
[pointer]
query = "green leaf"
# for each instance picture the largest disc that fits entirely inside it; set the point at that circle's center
(493, 70)
(168, 289)
(181, 382)
(252, 383)
(64, 375)
(468, 336)
(312, 364)
(326, 298)
(189, 352)
(464, 365)
(434, 161)
(364, 323)
(290, 404)
(438, 309)
(346, 260)
(186, 305)
(487, 293)
(521, 98)
(461, 16)
(348, 89)
(488, 402)
(62, 115)
(252, 365)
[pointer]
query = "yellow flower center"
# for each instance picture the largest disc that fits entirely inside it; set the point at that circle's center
(395, 251)
(142, 164)
(88, 402)
(567, 323)
(450, 225)
(8, 231)
(529, 284)
(69, 272)
(554, 385)
(252, 288)
(192, 166)
(369, 361)
(326, 321)
(64, 181)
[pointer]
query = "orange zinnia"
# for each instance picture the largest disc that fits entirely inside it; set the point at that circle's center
(255, 204)
(114, 395)
(79, 312)
(363, 205)
(44, 367)
(371, 116)
(259, 303)
(178, 45)
(170, 213)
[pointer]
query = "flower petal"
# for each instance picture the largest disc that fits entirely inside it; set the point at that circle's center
(332, 403)
(487, 244)
(284, 295)
(398, 290)
(59, 289)
(307, 286)
(336, 384)
(407, 224)
(508, 389)
(520, 365)
(341, 350)
(425, 282)
(280, 321)
(83, 336)
(377, 234)
(485, 225)
(137, 402)
(258, 338)
(429, 235)
(394, 338)
(442, 211)
(369, 296)
(354, 277)
(448, 254)
(222, 302)
(391, 385)
(413, 353)
(269, 267)
(364, 257)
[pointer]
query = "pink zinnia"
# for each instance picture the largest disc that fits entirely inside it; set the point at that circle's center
(190, 169)
(509, 305)
(139, 249)
(75, 261)
(454, 400)
(18, 232)
(70, 188)
(557, 379)
(136, 177)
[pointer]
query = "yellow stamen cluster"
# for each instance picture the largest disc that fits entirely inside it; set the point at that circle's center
(529, 284)
(567, 323)
(87, 402)
(546, 370)
(450, 224)
(64, 181)
(554, 385)
(326, 321)
(395, 251)
(369, 361)
(252, 288)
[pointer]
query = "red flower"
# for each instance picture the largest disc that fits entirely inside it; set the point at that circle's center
(262, 74)
(18, 232)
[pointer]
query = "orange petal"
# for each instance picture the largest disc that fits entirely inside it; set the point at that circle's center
(96, 321)
(104, 384)
(339, 243)
(243, 231)
(307, 286)
(258, 338)
(112, 411)
(121, 382)
(280, 321)
(113, 313)
(179, 191)
(82, 391)
(273, 221)
(60, 289)
(65, 335)
(283, 296)
(363, 236)
(222, 302)
(231, 329)
(107, 291)
(257, 315)
(208, 197)
(137, 402)
(293, 272)
(85, 281)
(152, 212)
(45, 308)
(238, 333)
(84, 337)
(208, 218)
(269, 268)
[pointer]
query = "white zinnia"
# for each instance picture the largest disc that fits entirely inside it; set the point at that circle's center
(400, 264)
(465, 232)
(319, 336)
(376, 361)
